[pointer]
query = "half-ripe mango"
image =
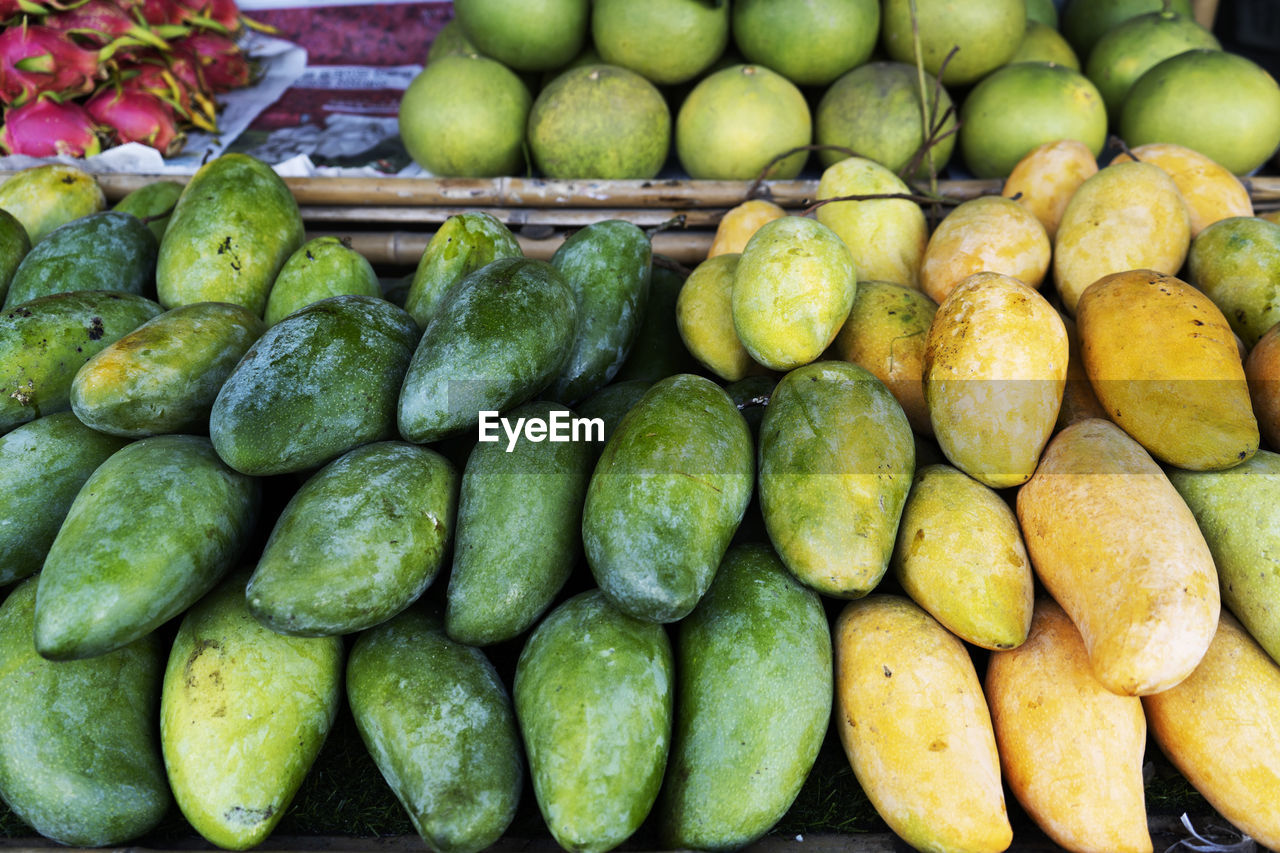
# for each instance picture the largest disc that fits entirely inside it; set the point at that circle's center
(995, 363)
(1262, 372)
(704, 317)
(1115, 545)
(739, 223)
(1236, 263)
(885, 334)
(986, 234)
(916, 729)
(1046, 178)
(1219, 728)
(792, 291)
(887, 236)
(1128, 216)
(960, 556)
(1210, 191)
(1084, 789)
(1165, 366)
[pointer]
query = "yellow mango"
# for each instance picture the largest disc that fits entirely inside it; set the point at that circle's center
(885, 334)
(1070, 750)
(987, 234)
(1078, 400)
(1210, 191)
(1116, 546)
(1220, 728)
(704, 318)
(1044, 180)
(739, 223)
(1262, 372)
(995, 363)
(887, 237)
(1128, 216)
(1165, 366)
(960, 556)
(914, 724)
(792, 291)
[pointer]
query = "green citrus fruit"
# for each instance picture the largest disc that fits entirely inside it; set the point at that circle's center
(737, 120)
(464, 116)
(450, 41)
(985, 33)
(1220, 104)
(1086, 21)
(1021, 106)
(1045, 44)
(599, 121)
(529, 35)
(809, 43)
(1126, 53)
(667, 41)
(875, 111)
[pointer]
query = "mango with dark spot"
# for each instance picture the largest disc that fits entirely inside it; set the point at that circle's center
(320, 268)
(102, 251)
(461, 245)
(243, 714)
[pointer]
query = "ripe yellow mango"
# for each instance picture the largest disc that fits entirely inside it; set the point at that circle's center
(1116, 546)
(1046, 178)
(739, 223)
(1128, 216)
(704, 318)
(1165, 366)
(986, 234)
(1210, 191)
(995, 363)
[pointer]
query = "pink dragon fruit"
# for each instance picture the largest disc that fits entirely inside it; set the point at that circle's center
(38, 60)
(155, 78)
(13, 8)
(46, 127)
(101, 22)
(223, 63)
(136, 116)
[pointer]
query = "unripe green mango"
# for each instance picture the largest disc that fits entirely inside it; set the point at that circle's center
(322, 381)
(666, 496)
(234, 226)
(498, 338)
(154, 528)
(593, 694)
(320, 268)
(836, 460)
(612, 402)
(164, 375)
(243, 714)
(43, 464)
(45, 341)
(1238, 511)
(462, 244)
(79, 748)
(357, 543)
(153, 203)
(608, 264)
(519, 530)
(753, 662)
(439, 724)
(102, 251)
(44, 197)
(14, 245)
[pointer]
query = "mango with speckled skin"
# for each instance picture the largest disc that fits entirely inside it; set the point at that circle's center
(461, 245)
(320, 268)
(985, 234)
(44, 197)
(102, 251)
(885, 236)
(593, 693)
(243, 714)
(357, 543)
(14, 245)
(153, 529)
(438, 722)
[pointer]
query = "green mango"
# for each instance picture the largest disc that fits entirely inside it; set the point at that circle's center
(102, 251)
(44, 197)
(14, 245)
(658, 350)
(164, 375)
(1238, 511)
(753, 663)
(498, 338)
(593, 695)
(519, 531)
(666, 496)
(439, 724)
(43, 464)
(153, 203)
(836, 461)
(357, 543)
(154, 528)
(323, 267)
(464, 243)
(80, 755)
(45, 341)
(612, 402)
(320, 382)
(608, 264)
(243, 714)
(234, 226)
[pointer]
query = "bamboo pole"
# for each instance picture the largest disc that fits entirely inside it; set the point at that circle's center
(514, 217)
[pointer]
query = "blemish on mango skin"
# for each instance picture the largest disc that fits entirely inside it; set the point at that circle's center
(188, 675)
